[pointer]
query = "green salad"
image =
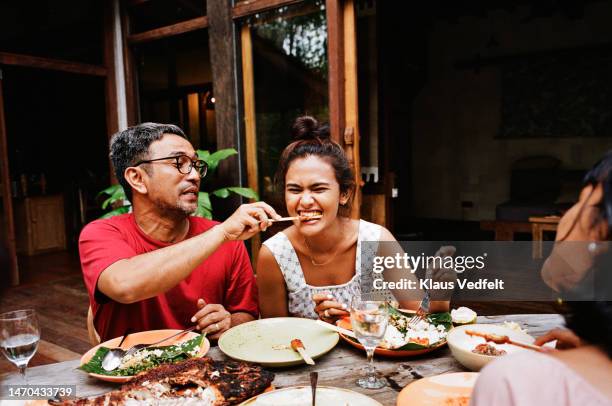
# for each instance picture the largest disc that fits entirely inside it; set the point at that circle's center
(145, 359)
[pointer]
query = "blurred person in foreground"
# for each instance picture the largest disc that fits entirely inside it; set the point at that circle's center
(581, 373)
(312, 269)
(160, 267)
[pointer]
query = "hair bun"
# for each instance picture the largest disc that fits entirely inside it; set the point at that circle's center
(308, 128)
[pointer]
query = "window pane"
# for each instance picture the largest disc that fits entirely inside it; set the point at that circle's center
(153, 14)
(175, 85)
(290, 72)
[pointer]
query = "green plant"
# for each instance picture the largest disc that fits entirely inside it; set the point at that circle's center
(116, 193)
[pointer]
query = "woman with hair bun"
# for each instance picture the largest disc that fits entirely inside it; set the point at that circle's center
(311, 268)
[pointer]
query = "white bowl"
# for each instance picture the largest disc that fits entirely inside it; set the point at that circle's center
(461, 344)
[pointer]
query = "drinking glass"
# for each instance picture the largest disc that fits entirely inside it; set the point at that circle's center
(19, 336)
(369, 320)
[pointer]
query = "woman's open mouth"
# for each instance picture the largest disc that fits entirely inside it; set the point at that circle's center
(310, 216)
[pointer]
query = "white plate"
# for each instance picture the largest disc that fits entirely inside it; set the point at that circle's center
(268, 341)
(461, 344)
(301, 396)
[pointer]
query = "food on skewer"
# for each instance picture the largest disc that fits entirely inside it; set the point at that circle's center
(310, 215)
(499, 339)
(298, 346)
(496, 338)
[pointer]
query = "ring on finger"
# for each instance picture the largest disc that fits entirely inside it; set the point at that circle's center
(326, 313)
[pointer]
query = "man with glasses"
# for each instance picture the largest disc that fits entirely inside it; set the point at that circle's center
(159, 266)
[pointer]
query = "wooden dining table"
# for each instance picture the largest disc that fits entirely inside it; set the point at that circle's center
(339, 368)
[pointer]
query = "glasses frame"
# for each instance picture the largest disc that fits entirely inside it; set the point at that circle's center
(199, 164)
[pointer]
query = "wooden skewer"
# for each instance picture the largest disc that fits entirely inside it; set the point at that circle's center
(497, 339)
(337, 329)
(297, 345)
(295, 218)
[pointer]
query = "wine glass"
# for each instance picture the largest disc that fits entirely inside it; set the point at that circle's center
(19, 336)
(369, 320)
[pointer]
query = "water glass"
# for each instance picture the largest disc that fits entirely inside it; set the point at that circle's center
(369, 320)
(19, 336)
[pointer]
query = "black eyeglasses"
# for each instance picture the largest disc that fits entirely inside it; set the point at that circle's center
(183, 163)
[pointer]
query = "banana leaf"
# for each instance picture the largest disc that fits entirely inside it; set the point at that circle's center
(170, 354)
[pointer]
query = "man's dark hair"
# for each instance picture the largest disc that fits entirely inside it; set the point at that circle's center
(132, 145)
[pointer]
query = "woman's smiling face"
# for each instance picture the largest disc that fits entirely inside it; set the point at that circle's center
(311, 188)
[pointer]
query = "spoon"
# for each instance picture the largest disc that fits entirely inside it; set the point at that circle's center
(119, 353)
(314, 377)
(112, 359)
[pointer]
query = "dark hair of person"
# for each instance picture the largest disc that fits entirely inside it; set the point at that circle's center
(313, 139)
(132, 145)
(588, 312)
(602, 173)
(591, 320)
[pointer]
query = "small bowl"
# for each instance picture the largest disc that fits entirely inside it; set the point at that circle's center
(461, 344)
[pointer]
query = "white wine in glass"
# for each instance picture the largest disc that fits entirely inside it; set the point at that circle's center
(369, 320)
(19, 337)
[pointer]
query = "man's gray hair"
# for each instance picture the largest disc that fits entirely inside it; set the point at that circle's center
(132, 145)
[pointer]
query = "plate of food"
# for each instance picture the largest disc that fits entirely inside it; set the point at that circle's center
(302, 396)
(201, 381)
(401, 340)
(174, 350)
(474, 351)
(268, 341)
(439, 390)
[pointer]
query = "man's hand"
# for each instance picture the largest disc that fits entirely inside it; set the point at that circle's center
(566, 339)
(248, 220)
(212, 319)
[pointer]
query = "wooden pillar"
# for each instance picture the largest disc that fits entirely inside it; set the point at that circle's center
(351, 100)
(335, 52)
(7, 200)
(222, 43)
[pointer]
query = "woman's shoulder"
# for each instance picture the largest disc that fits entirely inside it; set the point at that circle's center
(374, 230)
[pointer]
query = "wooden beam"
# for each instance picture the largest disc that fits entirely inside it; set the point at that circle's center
(351, 101)
(7, 200)
(169, 31)
(250, 123)
(335, 55)
(222, 45)
(110, 86)
(129, 71)
(28, 61)
(249, 7)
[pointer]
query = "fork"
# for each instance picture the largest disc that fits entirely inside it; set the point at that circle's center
(138, 347)
(421, 312)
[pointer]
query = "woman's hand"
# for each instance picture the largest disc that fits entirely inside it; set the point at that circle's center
(566, 339)
(328, 309)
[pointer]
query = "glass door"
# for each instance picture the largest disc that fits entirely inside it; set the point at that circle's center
(293, 63)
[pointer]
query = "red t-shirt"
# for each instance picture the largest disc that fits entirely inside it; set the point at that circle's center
(225, 277)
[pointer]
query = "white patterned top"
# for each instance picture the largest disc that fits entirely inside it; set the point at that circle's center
(299, 293)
